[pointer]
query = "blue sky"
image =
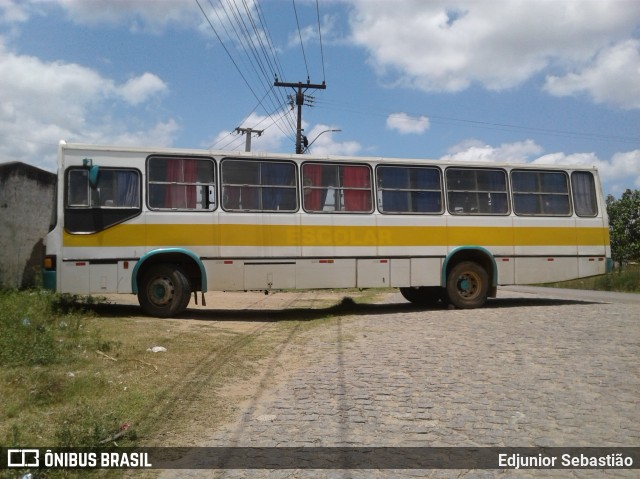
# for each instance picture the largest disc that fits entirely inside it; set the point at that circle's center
(542, 81)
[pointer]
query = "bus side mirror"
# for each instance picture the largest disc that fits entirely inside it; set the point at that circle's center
(94, 171)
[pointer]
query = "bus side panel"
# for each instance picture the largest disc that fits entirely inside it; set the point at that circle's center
(345, 235)
(426, 271)
(400, 274)
(103, 278)
(545, 249)
(545, 269)
(225, 275)
(326, 273)
(259, 276)
(506, 270)
(257, 235)
(74, 277)
(592, 266)
(373, 273)
(125, 268)
(592, 240)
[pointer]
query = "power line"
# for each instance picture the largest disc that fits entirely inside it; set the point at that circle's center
(266, 77)
(481, 124)
(278, 66)
(265, 28)
(242, 35)
(295, 10)
(253, 42)
(324, 77)
(244, 25)
(226, 49)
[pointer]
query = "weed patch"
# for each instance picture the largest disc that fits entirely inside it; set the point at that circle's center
(624, 280)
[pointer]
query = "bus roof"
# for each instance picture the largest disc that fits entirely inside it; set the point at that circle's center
(328, 158)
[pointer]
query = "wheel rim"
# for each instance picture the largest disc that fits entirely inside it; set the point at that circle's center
(161, 291)
(468, 285)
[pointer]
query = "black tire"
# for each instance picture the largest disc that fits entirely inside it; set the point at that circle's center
(467, 285)
(423, 295)
(164, 291)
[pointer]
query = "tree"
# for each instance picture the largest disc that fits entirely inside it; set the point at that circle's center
(624, 226)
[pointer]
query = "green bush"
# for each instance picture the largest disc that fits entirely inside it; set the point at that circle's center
(38, 327)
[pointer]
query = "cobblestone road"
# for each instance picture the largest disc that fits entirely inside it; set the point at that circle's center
(524, 371)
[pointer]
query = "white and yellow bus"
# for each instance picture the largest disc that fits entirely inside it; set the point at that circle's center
(166, 224)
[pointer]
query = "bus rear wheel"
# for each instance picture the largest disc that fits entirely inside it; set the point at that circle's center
(165, 291)
(467, 285)
(423, 295)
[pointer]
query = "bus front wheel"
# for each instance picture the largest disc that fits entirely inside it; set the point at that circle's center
(467, 285)
(165, 291)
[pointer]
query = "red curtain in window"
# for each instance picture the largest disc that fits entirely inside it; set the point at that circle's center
(190, 176)
(356, 177)
(313, 198)
(174, 174)
(180, 195)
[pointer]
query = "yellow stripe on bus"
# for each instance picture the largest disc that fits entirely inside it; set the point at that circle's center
(306, 235)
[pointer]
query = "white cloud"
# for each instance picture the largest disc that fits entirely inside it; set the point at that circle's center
(499, 44)
(406, 124)
(44, 102)
(139, 15)
(475, 150)
(137, 90)
(612, 78)
(325, 143)
(12, 11)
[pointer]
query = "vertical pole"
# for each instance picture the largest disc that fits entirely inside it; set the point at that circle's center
(299, 102)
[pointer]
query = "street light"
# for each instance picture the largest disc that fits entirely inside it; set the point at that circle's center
(308, 145)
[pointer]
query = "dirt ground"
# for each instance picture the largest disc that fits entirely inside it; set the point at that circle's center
(264, 336)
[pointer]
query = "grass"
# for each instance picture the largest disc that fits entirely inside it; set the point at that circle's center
(625, 280)
(47, 348)
(76, 372)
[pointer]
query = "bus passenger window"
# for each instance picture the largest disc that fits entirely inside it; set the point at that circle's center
(540, 193)
(337, 188)
(253, 185)
(584, 193)
(180, 183)
(477, 191)
(404, 189)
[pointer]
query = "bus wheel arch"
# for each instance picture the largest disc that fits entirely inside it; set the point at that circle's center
(469, 277)
(164, 279)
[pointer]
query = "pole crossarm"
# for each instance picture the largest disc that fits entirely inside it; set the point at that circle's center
(248, 132)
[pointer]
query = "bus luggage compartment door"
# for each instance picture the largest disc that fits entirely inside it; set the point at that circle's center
(373, 273)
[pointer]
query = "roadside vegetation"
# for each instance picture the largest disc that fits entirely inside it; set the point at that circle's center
(55, 389)
(623, 279)
(78, 372)
(624, 227)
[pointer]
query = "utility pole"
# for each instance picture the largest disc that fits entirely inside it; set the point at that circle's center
(300, 89)
(248, 132)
